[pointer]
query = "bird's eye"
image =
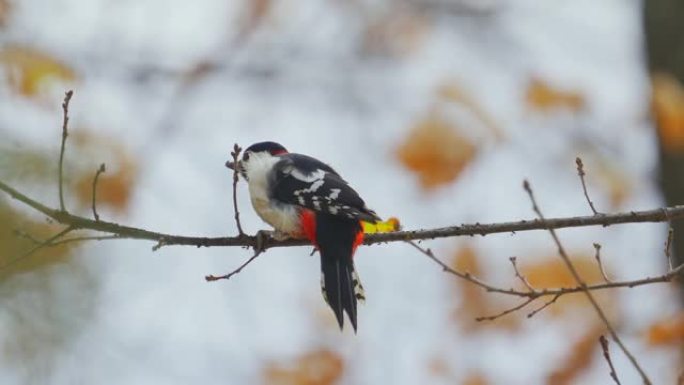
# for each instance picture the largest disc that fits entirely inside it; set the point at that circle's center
(245, 157)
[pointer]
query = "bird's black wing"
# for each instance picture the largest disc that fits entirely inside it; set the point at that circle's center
(307, 182)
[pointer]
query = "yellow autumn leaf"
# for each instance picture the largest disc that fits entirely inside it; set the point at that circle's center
(30, 70)
(668, 331)
(542, 96)
(436, 151)
(319, 367)
(667, 105)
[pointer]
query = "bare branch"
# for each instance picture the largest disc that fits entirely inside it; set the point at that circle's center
(657, 215)
(212, 278)
(97, 175)
(606, 355)
(65, 124)
(597, 246)
(588, 293)
(580, 172)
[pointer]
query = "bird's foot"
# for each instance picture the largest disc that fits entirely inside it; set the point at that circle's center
(263, 236)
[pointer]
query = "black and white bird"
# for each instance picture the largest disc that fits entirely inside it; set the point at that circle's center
(302, 197)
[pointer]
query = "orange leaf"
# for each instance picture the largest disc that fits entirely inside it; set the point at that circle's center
(115, 186)
(542, 96)
(436, 152)
(667, 105)
(320, 367)
(475, 379)
(578, 360)
(394, 33)
(669, 331)
(30, 70)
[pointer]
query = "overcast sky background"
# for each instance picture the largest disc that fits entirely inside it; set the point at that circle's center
(307, 75)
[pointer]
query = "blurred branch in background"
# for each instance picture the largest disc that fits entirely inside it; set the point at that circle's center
(663, 21)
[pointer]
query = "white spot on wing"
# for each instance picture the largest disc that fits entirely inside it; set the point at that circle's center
(334, 193)
(312, 177)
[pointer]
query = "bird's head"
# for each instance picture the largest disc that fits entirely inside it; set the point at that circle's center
(255, 155)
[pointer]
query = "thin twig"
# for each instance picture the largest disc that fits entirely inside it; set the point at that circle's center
(606, 355)
(212, 278)
(236, 172)
(580, 172)
(544, 306)
(97, 175)
(519, 275)
(505, 312)
(597, 256)
(581, 283)
(668, 247)
(36, 241)
(37, 247)
(65, 124)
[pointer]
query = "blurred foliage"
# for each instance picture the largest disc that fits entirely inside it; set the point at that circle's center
(319, 367)
(115, 186)
(48, 296)
(4, 12)
(30, 70)
(579, 358)
(668, 331)
(394, 33)
(543, 97)
(27, 164)
(436, 151)
(667, 105)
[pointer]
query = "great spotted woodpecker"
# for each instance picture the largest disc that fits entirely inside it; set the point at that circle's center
(302, 197)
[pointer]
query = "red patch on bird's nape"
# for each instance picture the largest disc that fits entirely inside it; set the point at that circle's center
(308, 221)
(278, 152)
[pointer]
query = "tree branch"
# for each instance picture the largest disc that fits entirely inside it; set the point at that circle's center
(78, 222)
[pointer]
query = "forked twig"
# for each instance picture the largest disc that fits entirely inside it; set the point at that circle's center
(571, 267)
